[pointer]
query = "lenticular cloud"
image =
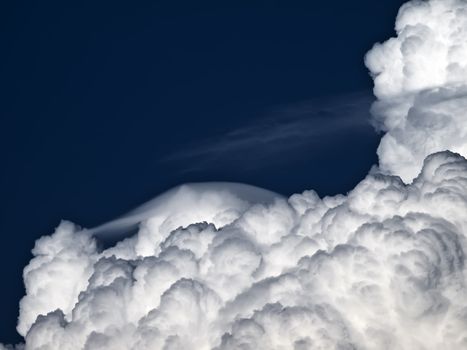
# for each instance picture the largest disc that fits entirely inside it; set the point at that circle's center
(234, 267)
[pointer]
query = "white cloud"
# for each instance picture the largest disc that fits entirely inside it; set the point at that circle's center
(233, 267)
(380, 268)
(420, 81)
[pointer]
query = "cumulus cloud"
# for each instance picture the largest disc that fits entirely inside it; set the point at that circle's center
(223, 266)
(382, 267)
(420, 80)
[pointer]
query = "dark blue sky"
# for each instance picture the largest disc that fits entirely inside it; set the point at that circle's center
(106, 104)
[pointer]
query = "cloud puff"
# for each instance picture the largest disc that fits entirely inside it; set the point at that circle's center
(234, 267)
(420, 81)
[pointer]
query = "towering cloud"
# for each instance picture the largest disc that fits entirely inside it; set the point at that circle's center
(420, 81)
(234, 267)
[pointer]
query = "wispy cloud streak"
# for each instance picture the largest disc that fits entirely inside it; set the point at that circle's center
(284, 129)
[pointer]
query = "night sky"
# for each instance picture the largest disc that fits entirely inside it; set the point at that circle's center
(107, 104)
